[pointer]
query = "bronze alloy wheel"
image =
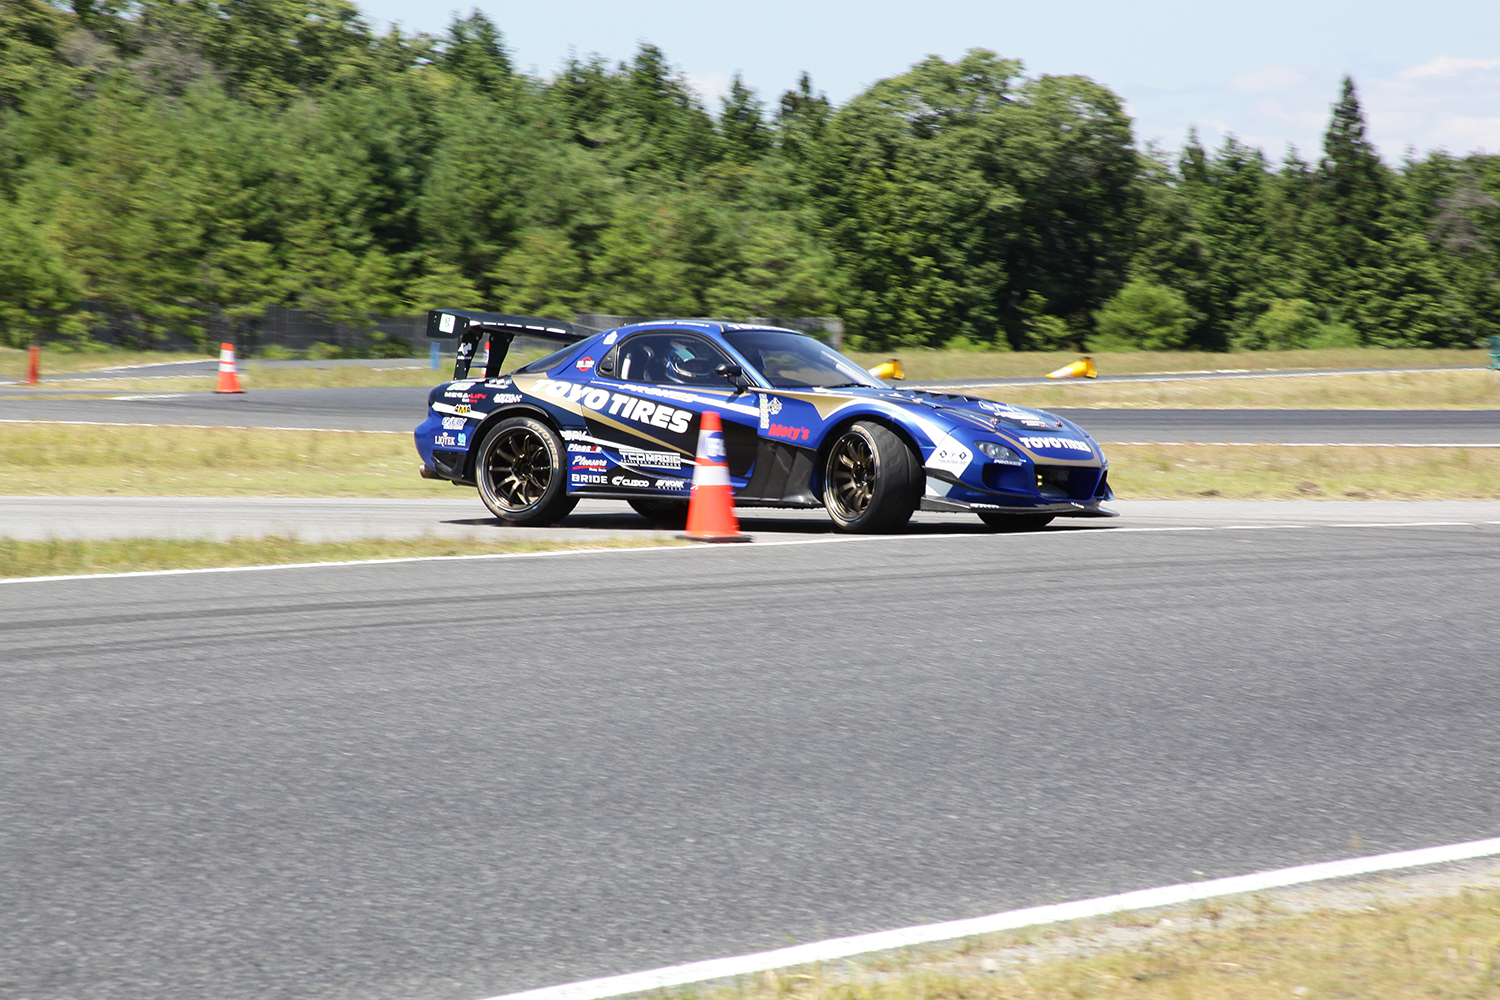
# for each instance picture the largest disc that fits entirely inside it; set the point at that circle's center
(522, 472)
(519, 468)
(872, 480)
(851, 476)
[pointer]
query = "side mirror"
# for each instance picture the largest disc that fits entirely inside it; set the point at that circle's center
(735, 374)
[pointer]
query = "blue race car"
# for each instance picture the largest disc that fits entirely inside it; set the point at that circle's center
(615, 415)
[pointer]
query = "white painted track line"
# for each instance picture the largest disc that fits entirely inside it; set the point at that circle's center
(904, 937)
(760, 543)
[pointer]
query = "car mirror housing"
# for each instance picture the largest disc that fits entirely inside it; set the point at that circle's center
(735, 374)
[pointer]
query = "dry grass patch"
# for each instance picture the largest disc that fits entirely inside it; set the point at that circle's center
(39, 459)
(1280, 472)
(13, 361)
(69, 558)
(1443, 948)
(929, 363)
(1458, 390)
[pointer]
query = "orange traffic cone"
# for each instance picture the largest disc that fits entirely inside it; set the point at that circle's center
(1078, 369)
(711, 507)
(229, 379)
(34, 366)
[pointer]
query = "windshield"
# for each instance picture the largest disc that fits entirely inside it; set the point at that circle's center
(792, 361)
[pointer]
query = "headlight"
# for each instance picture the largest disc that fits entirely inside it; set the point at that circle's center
(997, 452)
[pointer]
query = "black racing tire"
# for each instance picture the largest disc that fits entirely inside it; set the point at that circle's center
(872, 480)
(522, 473)
(661, 511)
(1015, 522)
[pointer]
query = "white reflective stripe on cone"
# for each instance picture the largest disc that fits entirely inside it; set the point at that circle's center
(711, 475)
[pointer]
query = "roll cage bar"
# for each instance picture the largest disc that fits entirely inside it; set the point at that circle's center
(469, 327)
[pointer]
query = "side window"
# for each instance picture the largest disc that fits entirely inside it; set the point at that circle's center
(662, 358)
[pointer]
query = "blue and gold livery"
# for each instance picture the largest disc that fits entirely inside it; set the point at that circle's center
(615, 415)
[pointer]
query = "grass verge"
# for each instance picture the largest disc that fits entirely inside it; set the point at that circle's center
(1278, 472)
(79, 460)
(1461, 390)
(69, 557)
(39, 459)
(1443, 948)
(927, 363)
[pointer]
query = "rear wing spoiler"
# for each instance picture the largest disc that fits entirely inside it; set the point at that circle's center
(469, 328)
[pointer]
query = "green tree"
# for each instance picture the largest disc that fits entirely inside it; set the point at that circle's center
(742, 123)
(474, 51)
(542, 276)
(33, 277)
(1143, 316)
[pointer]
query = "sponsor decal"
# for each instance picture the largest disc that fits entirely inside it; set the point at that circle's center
(595, 478)
(950, 456)
(676, 395)
(463, 440)
(577, 448)
(584, 462)
(507, 397)
(461, 409)
(1007, 412)
(788, 432)
(629, 481)
(610, 338)
(584, 364)
(672, 484)
(617, 404)
(651, 459)
(449, 441)
(499, 383)
(768, 405)
(454, 423)
(445, 323)
(575, 435)
(1055, 444)
(456, 386)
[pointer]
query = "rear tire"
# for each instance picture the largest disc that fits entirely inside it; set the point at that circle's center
(872, 481)
(1015, 522)
(521, 471)
(661, 512)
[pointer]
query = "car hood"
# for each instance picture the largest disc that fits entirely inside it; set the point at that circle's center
(973, 412)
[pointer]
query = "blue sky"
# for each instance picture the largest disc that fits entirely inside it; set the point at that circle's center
(1428, 72)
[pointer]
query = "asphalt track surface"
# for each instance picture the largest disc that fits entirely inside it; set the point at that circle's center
(456, 779)
(401, 408)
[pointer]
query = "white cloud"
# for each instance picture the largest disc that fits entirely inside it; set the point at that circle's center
(1267, 79)
(1445, 103)
(1447, 66)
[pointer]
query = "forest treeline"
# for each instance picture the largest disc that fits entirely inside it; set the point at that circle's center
(160, 159)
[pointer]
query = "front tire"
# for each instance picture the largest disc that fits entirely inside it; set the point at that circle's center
(521, 471)
(872, 481)
(1014, 522)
